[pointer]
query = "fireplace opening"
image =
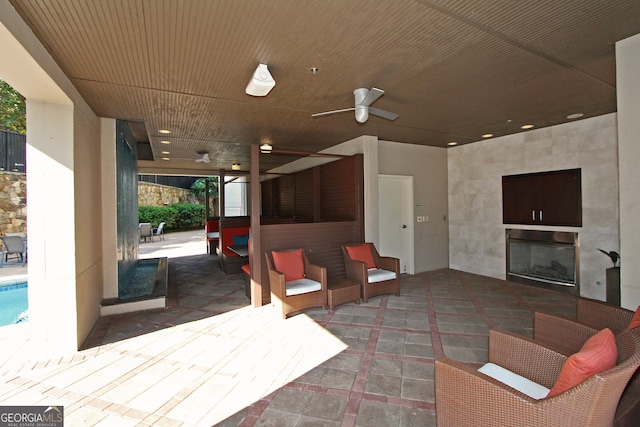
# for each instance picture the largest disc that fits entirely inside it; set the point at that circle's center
(544, 258)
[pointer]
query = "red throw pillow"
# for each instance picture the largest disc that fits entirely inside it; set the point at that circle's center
(290, 263)
(362, 253)
(598, 354)
(635, 322)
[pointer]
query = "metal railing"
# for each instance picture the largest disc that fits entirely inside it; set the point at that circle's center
(13, 156)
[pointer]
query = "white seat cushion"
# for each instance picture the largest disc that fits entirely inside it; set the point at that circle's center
(520, 383)
(302, 286)
(377, 275)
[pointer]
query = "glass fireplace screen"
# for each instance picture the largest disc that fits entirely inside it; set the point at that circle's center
(547, 262)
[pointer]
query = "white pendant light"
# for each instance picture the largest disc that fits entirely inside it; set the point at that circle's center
(261, 82)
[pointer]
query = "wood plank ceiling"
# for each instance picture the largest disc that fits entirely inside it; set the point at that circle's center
(452, 69)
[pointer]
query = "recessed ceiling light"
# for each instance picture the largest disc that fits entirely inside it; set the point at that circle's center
(575, 116)
(527, 126)
(165, 142)
(166, 152)
(452, 143)
(164, 131)
(166, 158)
(487, 135)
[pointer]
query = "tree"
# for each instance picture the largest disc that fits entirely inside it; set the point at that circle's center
(199, 187)
(13, 112)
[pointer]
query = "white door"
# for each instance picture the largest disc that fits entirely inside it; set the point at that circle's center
(395, 208)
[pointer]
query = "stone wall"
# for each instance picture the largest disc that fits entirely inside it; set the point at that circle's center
(13, 202)
(150, 194)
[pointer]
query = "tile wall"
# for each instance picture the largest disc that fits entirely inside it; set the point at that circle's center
(476, 233)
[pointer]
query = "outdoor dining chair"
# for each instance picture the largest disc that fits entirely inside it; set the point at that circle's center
(145, 231)
(13, 246)
(159, 231)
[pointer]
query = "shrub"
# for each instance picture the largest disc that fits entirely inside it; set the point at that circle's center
(190, 216)
(181, 216)
(156, 214)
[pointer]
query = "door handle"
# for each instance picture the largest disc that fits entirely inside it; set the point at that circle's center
(540, 215)
(404, 225)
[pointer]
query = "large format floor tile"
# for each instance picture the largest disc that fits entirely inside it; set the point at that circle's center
(211, 359)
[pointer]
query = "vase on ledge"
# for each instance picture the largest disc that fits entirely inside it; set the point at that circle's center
(613, 286)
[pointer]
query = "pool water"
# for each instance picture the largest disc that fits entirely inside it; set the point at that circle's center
(13, 303)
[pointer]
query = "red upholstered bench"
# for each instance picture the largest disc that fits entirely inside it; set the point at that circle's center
(212, 234)
(230, 262)
(246, 275)
(227, 235)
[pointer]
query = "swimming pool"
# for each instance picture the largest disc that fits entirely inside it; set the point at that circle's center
(13, 303)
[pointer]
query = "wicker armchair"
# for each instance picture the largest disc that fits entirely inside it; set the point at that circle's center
(381, 278)
(567, 336)
(466, 397)
(307, 291)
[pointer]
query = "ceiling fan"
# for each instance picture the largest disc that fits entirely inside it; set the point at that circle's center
(363, 99)
(203, 157)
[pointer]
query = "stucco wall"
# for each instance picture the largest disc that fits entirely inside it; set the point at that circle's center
(628, 88)
(476, 232)
(428, 167)
(63, 165)
(88, 217)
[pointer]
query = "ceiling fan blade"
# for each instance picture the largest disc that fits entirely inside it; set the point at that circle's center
(372, 96)
(384, 114)
(326, 113)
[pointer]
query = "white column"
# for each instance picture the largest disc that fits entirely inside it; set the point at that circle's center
(51, 229)
(628, 93)
(371, 215)
(109, 208)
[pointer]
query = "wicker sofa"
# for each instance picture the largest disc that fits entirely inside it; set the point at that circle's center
(466, 397)
(567, 336)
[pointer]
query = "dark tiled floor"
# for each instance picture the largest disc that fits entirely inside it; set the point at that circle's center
(187, 364)
(386, 377)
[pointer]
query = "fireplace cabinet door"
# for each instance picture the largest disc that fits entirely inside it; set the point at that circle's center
(545, 198)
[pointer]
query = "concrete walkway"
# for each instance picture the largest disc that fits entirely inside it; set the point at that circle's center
(13, 272)
(174, 245)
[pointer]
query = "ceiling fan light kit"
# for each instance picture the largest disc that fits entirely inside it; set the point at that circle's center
(362, 111)
(203, 158)
(363, 98)
(261, 82)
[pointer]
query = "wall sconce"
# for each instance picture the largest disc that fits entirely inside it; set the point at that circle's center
(266, 148)
(235, 166)
(261, 82)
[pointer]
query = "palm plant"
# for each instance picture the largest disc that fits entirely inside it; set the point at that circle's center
(615, 256)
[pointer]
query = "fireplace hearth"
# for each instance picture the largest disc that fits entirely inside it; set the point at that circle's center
(548, 259)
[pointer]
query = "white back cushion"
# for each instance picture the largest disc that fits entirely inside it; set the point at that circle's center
(520, 383)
